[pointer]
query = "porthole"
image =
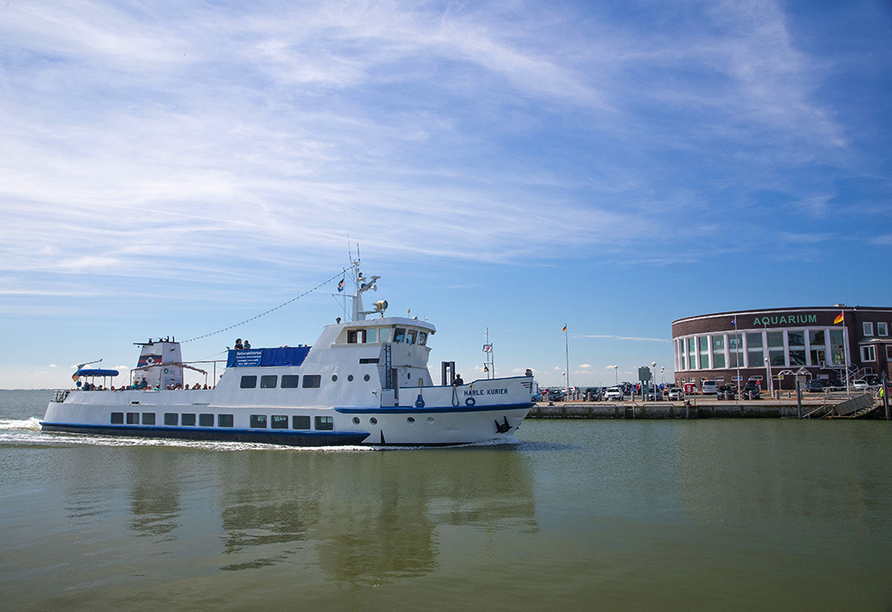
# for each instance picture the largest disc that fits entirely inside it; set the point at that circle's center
(367, 378)
(356, 420)
(373, 421)
(430, 419)
(410, 420)
(350, 378)
(334, 378)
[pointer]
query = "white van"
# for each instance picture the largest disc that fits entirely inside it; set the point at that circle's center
(710, 387)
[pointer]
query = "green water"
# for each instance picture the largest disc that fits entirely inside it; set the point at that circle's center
(582, 515)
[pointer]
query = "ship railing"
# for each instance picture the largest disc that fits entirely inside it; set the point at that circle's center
(60, 395)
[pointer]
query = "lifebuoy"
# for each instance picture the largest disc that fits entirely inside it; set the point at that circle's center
(470, 401)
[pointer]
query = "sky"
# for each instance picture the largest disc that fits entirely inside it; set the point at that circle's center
(176, 169)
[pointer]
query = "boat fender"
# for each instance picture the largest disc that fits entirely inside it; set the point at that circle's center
(419, 403)
(470, 401)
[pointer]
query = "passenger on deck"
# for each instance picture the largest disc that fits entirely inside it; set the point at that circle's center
(143, 384)
(457, 381)
(247, 345)
(238, 344)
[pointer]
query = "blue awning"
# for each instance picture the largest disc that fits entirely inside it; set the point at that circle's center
(96, 373)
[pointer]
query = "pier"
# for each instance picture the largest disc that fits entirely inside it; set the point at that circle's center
(828, 406)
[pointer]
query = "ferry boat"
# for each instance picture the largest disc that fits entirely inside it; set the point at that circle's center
(364, 382)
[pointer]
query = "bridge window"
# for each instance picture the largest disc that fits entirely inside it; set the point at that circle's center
(422, 338)
(399, 334)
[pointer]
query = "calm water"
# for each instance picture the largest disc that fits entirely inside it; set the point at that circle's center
(581, 515)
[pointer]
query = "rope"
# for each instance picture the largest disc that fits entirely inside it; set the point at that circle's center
(220, 331)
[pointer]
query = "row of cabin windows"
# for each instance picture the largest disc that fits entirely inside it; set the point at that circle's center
(373, 335)
(258, 421)
(172, 418)
(289, 381)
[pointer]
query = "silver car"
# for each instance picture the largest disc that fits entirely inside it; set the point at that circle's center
(613, 393)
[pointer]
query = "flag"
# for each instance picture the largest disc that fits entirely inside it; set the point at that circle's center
(565, 328)
(341, 285)
(838, 319)
(733, 322)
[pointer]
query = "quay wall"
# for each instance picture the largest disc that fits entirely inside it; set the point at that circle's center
(698, 409)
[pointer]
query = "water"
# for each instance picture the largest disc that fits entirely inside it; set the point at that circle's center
(580, 515)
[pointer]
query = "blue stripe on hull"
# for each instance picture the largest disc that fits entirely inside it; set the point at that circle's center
(434, 409)
(288, 438)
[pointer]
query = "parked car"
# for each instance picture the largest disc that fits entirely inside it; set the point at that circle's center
(710, 387)
(654, 395)
(727, 392)
(593, 394)
(751, 391)
(614, 393)
(556, 395)
(815, 386)
(860, 385)
(676, 394)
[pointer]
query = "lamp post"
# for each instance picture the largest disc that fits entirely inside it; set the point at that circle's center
(663, 375)
(653, 378)
(768, 372)
(615, 376)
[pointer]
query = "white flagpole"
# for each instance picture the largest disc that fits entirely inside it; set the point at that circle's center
(567, 348)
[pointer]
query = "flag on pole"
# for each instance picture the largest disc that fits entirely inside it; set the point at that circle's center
(341, 285)
(838, 319)
(565, 328)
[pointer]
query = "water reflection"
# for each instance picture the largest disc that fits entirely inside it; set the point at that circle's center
(359, 518)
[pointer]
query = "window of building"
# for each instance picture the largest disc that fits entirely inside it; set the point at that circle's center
(837, 348)
(867, 328)
(258, 421)
(816, 340)
(755, 354)
(718, 351)
(268, 381)
(117, 418)
(324, 423)
(889, 352)
(300, 422)
(148, 418)
(248, 382)
(312, 381)
(776, 348)
(735, 351)
(188, 420)
(868, 353)
(278, 421)
(205, 420)
(224, 420)
(703, 346)
(796, 346)
(882, 329)
(289, 381)
(171, 418)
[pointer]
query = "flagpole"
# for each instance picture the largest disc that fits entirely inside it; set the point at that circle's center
(845, 342)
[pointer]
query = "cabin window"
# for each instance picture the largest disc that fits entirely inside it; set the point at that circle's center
(370, 335)
(368, 360)
(188, 420)
(300, 422)
(278, 421)
(289, 381)
(410, 336)
(399, 334)
(269, 381)
(355, 336)
(258, 421)
(249, 382)
(312, 381)
(224, 420)
(171, 418)
(205, 420)
(133, 418)
(384, 335)
(148, 418)
(117, 418)
(324, 423)
(422, 338)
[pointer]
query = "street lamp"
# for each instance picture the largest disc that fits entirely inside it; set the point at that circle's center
(653, 378)
(662, 375)
(768, 372)
(615, 376)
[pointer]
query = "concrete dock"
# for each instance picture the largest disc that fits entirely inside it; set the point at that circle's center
(705, 407)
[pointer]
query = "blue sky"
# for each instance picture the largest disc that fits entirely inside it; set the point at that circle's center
(175, 168)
